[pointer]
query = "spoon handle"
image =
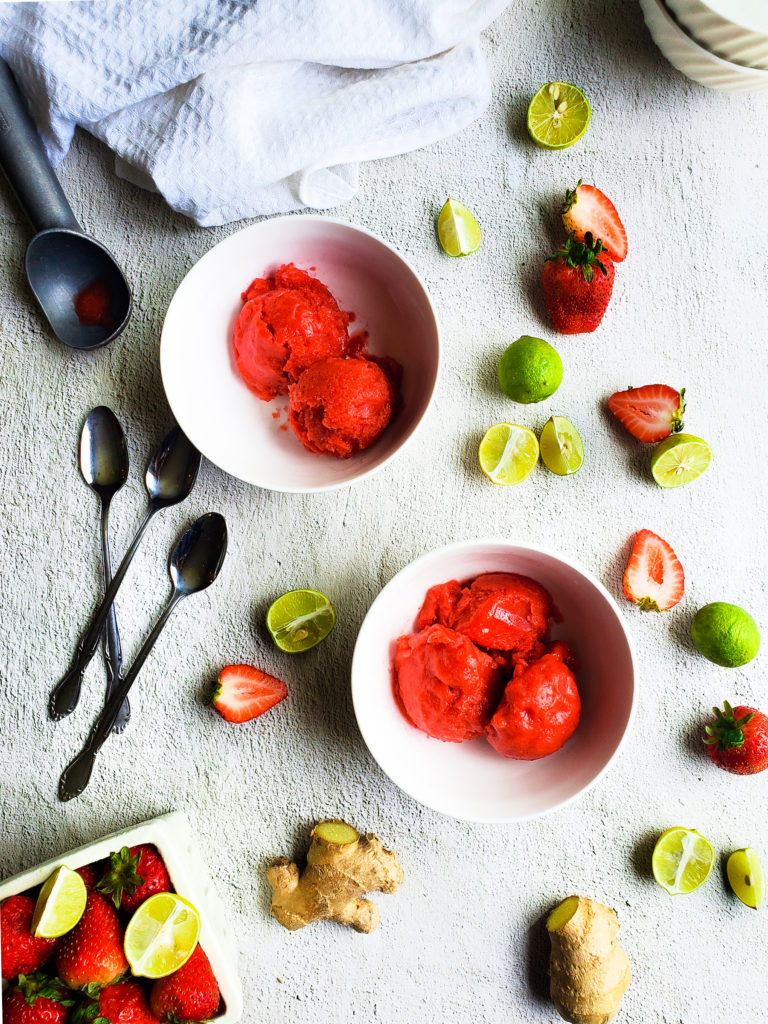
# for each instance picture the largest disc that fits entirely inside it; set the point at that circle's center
(112, 648)
(25, 163)
(66, 692)
(77, 774)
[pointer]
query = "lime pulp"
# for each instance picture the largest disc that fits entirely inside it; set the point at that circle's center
(60, 904)
(508, 453)
(161, 936)
(562, 451)
(682, 860)
(679, 459)
(745, 876)
(457, 229)
(558, 115)
(300, 619)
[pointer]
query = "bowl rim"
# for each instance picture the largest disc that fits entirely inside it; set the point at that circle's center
(684, 35)
(190, 429)
(469, 545)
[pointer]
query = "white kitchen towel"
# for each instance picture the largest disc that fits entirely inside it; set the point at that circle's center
(233, 108)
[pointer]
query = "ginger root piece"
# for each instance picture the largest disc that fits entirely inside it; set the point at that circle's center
(341, 867)
(589, 971)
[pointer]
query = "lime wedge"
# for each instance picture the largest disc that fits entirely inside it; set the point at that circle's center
(679, 459)
(60, 904)
(508, 453)
(161, 936)
(561, 449)
(682, 860)
(300, 619)
(558, 115)
(745, 874)
(457, 229)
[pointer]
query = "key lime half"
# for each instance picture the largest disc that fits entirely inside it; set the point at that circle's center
(457, 229)
(745, 875)
(679, 459)
(60, 904)
(161, 936)
(682, 860)
(558, 115)
(508, 453)
(300, 619)
(562, 451)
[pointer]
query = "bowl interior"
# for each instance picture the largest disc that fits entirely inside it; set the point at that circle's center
(231, 426)
(749, 14)
(470, 780)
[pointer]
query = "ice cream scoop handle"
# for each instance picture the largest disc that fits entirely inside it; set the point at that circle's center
(25, 163)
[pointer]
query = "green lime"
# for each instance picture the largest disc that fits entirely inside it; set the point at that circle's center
(300, 619)
(679, 459)
(682, 860)
(457, 229)
(561, 449)
(745, 875)
(530, 370)
(558, 115)
(161, 936)
(725, 634)
(60, 904)
(508, 453)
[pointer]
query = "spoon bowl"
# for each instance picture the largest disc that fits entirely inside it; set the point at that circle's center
(103, 452)
(172, 470)
(196, 559)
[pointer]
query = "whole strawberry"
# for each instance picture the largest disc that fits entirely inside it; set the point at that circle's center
(89, 875)
(189, 994)
(123, 1003)
(134, 874)
(578, 281)
(92, 953)
(36, 999)
(20, 951)
(737, 739)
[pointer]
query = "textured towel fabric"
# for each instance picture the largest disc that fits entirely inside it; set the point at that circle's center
(232, 109)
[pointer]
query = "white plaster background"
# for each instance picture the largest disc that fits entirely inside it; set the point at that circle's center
(463, 940)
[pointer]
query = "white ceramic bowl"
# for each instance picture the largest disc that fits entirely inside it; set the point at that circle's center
(727, 34)
(470, 780)
(229, 424)
(697, 63)
(172, 836)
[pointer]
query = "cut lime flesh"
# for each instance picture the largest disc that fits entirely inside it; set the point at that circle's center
(457, 229)
(745, 876)
(60, 904)
(508, 453)
(682, 860)
(680, 459)
(562, 450)
(161, 936)
(300, 619)
(558, 115)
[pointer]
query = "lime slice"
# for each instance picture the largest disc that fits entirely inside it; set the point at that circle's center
(508, 453)
(457, 229)
(679, 459)
(60, 904)
(558, 115)
(561, 449)
(300, 619)
(745, 874)
(682, 860)
(161, 935)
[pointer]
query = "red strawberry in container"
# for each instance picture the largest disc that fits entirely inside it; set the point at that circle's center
(20, 951)
(587, 209)
(578, 281)
(134, 874)
(189, 994)
(36, 999)
(122, 1003)
(90, 876)
(737, 739)
(649, 413)
(92, 953)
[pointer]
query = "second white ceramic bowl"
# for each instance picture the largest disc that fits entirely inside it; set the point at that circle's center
(470, 780)
(727, 34)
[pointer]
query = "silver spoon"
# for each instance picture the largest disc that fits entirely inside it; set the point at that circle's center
(104, 466)
(195, 564)
(170, 476)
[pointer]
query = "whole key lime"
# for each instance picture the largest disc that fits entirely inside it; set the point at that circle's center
(725, 634)
(530, 370)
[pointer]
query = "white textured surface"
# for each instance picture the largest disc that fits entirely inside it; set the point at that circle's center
(463, 940)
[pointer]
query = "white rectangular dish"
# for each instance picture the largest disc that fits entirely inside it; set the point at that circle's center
(172, 836)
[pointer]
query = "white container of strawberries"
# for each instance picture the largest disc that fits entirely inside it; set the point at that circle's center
(207, 984)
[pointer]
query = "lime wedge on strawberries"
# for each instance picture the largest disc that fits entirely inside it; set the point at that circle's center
(161, 936)
(508, 453)
(457, 229)
(300, 619)
(60, 904)
(558, 115)
(679, 459)
(682, 860)
(745, 875)
(562, 451)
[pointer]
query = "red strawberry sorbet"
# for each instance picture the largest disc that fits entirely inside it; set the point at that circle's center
(340, 406)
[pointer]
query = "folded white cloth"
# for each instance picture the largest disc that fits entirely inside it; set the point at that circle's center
(233, 108)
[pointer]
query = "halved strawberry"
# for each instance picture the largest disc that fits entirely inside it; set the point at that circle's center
(243, 692)
(585, 209)
(649, 413)
(654, 577)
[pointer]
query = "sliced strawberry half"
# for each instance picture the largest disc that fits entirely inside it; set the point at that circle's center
(585, 209)
(654, 577)
(649, 413)
(242, 692)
